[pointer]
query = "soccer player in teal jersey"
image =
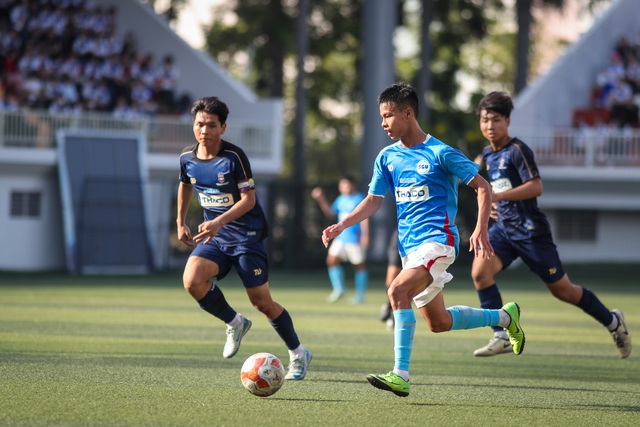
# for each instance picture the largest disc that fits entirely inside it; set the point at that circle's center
(522, 230)
(232, 234)
(422, 175)
(351, 245)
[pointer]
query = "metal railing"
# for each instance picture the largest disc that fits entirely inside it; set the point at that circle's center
(590, 147)
(165, 134)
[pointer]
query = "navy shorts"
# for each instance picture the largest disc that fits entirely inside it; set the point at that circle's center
(539, 253)
(249, 260)
(393, 256)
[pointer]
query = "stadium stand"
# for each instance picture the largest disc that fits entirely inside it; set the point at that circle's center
(65, 56)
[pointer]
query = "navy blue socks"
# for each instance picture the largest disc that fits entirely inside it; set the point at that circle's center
(214, 303)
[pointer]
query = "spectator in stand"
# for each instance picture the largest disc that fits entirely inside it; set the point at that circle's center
(623, 49)
(9, 103)
(142, 98)
(48, 45)
(19, 16)
(633, 73)
(623, 111)
(124, 111)
(607, 80)
(166, 80)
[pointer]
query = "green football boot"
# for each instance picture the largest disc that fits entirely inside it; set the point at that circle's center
(390, 382)
(514, 331)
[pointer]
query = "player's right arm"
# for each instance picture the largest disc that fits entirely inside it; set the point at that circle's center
(318, 196)
(364, 210)
(185, 192)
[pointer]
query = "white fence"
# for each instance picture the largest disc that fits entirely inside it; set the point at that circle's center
(37, 129)
(589, 147)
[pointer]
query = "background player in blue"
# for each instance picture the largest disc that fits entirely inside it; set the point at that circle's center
(349, 246)
(231, 235)
(422, 174)
(522, 229)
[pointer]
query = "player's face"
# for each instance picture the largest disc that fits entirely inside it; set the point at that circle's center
(394, 121)
(494, 127)
(207, 128)
(345, 186)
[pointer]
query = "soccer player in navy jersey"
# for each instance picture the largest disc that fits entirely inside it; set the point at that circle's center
(232, 234)
(521, 229)
(422, 175)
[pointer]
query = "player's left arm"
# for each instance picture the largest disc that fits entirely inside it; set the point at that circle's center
(528, 190)
(479, 240)
(522, 159)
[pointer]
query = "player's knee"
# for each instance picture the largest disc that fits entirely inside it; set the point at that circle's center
(193, 287)
(480, 276)
(268, 308)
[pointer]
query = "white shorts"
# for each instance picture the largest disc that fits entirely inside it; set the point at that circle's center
(436, 257)
(352, 252)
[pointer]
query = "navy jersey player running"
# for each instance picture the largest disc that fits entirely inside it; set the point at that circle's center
(422, 174)
(522, 229)
(232, 234)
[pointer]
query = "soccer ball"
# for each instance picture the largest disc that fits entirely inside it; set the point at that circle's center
(262, 374)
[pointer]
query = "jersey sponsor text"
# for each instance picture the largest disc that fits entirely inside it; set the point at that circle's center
(412, 194)
(216, 200)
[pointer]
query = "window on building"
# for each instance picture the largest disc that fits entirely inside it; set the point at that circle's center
(577, 225)
(25, 204)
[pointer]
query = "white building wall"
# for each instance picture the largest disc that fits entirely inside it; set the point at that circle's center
(31, 244)
(617, 238)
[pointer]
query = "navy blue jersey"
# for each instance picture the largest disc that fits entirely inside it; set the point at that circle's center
(218, 183)
(508, 168)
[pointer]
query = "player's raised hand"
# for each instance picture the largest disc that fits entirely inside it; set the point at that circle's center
(317, 193)
(330, 233)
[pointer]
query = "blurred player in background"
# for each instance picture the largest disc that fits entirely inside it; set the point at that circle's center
(422, 173)
(232, 234)
(394, 267)
(522, 229)
(351, 246)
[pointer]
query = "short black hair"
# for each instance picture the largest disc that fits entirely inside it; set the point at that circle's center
(211, 105)
(401, 95)
(349, 178)
(497, 102)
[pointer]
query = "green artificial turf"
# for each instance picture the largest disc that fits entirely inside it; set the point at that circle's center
(137, 351)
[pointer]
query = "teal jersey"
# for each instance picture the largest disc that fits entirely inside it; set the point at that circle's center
(424, 183)
(343, 206)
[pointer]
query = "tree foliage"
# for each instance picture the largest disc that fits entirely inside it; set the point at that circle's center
(254, 40)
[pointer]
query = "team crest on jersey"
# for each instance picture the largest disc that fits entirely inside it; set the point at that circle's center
(423, 167)
(193, 180)
(503, 161)
(390, 168)
(221, 180)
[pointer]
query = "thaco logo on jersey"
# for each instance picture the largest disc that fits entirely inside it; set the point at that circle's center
(215, 200)
(500, 185)
(412, 194)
